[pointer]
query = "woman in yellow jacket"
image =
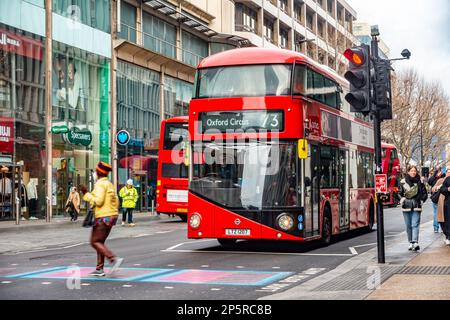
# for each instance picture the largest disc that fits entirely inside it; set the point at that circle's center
(103, 199)
(129, 196)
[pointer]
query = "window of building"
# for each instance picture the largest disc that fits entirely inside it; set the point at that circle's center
(321, 28)
(127, 22)
(220, 47)
(298, 11)
(177, 95)
(284, 38)
(268, 29)
(138, 99)
(310, 20)
(159, 35)
(245, 18)
(284, 5)
(330, 6)
(92, 13)
(194, 49)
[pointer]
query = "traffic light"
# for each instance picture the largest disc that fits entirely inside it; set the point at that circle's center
(382, 89)
(359, 76)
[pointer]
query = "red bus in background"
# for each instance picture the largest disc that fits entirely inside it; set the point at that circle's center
(391, 167)
(172, 183)
(275, 153)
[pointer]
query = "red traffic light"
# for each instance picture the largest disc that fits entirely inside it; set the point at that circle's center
(355, 56)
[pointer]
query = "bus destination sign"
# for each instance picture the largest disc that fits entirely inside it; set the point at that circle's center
(247, 120)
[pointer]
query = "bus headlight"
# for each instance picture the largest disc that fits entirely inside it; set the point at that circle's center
(194, 221)
(285, 221)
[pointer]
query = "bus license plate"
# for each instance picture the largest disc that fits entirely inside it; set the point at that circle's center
(237, 232)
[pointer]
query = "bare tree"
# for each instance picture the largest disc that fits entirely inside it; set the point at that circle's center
(421, 112)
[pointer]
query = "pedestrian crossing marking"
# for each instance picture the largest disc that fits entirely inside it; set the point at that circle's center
(155, 275)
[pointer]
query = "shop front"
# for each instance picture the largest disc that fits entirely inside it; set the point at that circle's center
(80, 122)
(22, 130)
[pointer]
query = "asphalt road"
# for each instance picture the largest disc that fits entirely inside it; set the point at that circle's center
(166, 265)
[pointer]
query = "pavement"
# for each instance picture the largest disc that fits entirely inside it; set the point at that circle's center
(405, 275)
(62, 233)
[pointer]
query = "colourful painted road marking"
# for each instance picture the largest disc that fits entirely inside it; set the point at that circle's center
(220, 277)
(155, 275)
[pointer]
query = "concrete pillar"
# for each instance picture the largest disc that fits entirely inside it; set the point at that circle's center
(113, 94)
(139, 27)
(161, 93)
(48, 107)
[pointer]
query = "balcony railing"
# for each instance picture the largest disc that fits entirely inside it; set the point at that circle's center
(158, 45)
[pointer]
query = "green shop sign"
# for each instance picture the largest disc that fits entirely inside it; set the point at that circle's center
(60, 129)
(79, 137)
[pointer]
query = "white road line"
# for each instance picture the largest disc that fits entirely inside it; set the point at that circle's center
(137, 264)
(183, 243)
(171, 265)
(168, 287)
(240, 267)
(142, 235)
(215, 289)
(85, 284)
(14, 264)
(127, 286)
(161, 232)
(6, 282)
(46, 283)
(353, 251)
(276, 268)
(74, 245)
(44, 264)
(205, 266)
(265, 253)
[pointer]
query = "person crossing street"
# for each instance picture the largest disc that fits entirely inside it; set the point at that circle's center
(103, 199)
(129, 197)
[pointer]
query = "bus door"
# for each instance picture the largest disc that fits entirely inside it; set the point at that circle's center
(311, 173)
(343, 182)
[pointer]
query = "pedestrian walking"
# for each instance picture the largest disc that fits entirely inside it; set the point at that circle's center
(432, 181)
(413, 193)
(73, 204)
(103, 199)
(129, 196)
(444, 207)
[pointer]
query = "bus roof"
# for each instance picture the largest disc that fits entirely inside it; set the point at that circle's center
(388, 145)
(256, 55)
(177, 119)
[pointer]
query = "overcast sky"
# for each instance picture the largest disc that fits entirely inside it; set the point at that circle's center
(422, 26)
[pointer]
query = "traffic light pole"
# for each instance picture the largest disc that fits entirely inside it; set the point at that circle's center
(378, 160)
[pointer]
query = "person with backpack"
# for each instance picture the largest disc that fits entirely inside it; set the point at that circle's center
(443, 215)
(438, 175)
(129, 196)
(413, 193)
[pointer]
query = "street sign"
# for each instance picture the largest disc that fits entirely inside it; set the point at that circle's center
(123, 137)
(381, 183)
(60, 129)
(79, 136)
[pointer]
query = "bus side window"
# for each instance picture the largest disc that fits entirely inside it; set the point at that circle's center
(300, 80)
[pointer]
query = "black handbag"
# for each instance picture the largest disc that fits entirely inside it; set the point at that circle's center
(89, 219)
(435, 197)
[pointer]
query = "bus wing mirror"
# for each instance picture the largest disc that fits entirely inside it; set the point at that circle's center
(302, 149)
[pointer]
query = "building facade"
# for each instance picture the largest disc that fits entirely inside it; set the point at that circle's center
(362, 32)
(80, 106)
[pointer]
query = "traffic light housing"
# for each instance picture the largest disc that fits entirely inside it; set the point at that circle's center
(382, 89)
(359, 77)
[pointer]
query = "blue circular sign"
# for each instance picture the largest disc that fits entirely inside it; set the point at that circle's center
(123, 137)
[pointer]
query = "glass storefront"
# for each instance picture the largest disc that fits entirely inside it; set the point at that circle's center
(92, 13)
(138, 112)
(177, 95)
(80, 99)
(22, 129)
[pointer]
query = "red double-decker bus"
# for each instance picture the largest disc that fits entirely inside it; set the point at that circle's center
(172, 183)
(391, 167)
(275, 152)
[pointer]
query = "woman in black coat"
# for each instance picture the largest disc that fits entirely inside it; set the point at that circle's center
(413, 193)
(445, 190)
